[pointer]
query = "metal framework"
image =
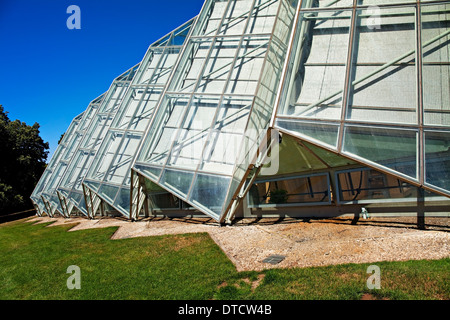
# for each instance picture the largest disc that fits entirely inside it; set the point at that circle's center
(109, 176)
(351, 98)
(388, 100)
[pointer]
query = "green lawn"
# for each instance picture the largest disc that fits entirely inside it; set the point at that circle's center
(34, 261)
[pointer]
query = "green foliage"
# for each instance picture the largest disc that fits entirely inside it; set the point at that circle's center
(35, 260)
(278, 196)
(22, 161)
(60, 138)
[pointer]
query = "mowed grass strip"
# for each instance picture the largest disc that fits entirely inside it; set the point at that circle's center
(34, 260)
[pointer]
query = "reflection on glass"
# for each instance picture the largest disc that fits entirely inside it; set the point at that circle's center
(436, 64)
(123, 201)
(153, 172)
(393, 148)
(437, 159)
(369, 184)
(383, 78)
(323, 132)
(164, 200)
(210, 191)
(289, 191)
(178, 181)
(109, 191)
(317, 70)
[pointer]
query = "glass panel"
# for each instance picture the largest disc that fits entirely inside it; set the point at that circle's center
(164, 69)
(73, 170)
(210, 17)
(384, 67)
(162, 132)
(209, 191)
(379, 2)
(113, 99)
(108, 191)
(392, 148)
(178, 181)
(232, 114)
(218, 66)
(263, 17)
(127, 110)
(189, 144)
(247, 68)
(323, 132)
(293, 157)
(71, 146)
(191, 66)
(105, 155)
(296, 190)
(326, 3)
(437, 159)
(369, 184)
(163, 41)
(96, 132)
(148, 170)
(87, 116)
(223, 144)
(221, 152)
(123, 201)
(436, 64)
(282, 29)
(152, 187)
(317, 70)
(235, 17)
(153, 60)
(180, 35)
(78, 201)
(121, 163)
(92, 184)
(164, 200)
(330, 158)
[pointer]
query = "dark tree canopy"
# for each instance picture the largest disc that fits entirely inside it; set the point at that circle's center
(60, 138)
(22, 160)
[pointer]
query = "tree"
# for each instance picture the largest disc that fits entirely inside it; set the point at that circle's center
(23, 155)
(60, 138)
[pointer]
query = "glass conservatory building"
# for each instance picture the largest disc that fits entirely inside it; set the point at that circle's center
(254, 108)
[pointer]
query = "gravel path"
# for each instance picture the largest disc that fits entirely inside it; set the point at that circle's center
(302, 243)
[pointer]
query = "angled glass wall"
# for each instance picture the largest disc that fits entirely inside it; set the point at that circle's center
(46, 191)
(109, 176)
(370, 80)
(72, 143)
(43, 185)
(231, 58)
(70, 184)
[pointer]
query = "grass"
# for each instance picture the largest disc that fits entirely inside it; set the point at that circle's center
(34, 260)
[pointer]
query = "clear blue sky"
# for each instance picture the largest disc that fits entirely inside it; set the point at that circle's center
(49, 74)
